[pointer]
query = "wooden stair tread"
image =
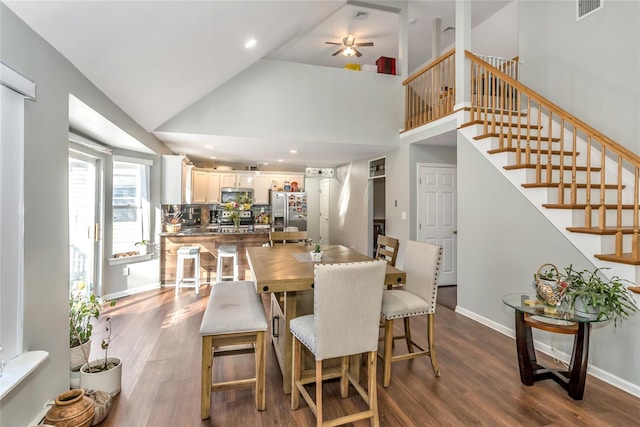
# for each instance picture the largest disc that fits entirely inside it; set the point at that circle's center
(522, 137)
(533, 151)
(607, 231)
(567, 185)
(555, 167)
(622, 259)
(582, 206)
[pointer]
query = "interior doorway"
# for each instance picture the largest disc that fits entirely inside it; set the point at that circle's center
(437, 215)
(378, 210)
(85, 222)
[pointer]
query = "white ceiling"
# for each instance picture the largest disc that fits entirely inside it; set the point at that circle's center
(156, 58)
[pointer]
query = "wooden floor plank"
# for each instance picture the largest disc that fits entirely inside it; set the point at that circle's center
(156, 335)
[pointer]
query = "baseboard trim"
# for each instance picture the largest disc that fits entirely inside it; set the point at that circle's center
(133, 291)
(601, 374)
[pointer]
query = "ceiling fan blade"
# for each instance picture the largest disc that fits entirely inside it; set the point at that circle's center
(358, 54)
(339, 44)
(334, 54)
(365, 44)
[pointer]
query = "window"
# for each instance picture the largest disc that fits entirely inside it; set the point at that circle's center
(130, 203)
(14, 88)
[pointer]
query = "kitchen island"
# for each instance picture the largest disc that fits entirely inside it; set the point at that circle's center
(208, 240)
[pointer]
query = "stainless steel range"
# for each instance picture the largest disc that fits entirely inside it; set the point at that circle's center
(246, 218)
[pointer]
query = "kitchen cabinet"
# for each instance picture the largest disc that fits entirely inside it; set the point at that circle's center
(206, 186)
(176, 180)
(236, 179)
(261, 184)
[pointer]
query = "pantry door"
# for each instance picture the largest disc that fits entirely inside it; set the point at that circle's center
(437, 213)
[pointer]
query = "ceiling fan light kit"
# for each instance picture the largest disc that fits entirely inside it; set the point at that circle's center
(349, 46)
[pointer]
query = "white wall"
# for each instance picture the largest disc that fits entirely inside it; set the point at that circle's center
(46, 186)
(590, 68)
(285, 100)
(502, 240)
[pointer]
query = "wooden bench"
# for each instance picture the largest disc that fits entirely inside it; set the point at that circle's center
(234, 322)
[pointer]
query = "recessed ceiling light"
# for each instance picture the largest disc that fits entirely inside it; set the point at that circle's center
(293, 151)
(250, 43)
(209, 147)
(213, 157)
(281, 160)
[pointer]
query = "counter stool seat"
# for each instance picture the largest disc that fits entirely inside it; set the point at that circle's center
(234, 322)
(227, 251)
(184, 253)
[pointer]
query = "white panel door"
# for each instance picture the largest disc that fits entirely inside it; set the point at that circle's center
(324, 211)
(437, 213)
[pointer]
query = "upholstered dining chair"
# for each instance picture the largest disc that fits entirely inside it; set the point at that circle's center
(416, 298)
(347, 303)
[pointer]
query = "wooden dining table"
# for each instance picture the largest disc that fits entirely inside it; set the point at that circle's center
(286, 272)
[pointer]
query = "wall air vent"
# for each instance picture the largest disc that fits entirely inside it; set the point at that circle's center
(587, 7)
(360, 15)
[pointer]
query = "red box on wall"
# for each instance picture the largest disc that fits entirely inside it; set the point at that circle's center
(386, 65)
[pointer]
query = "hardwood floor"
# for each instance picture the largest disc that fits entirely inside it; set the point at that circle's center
(156, 335)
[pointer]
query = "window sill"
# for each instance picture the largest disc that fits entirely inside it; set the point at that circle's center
(19, 368)
(129, 259)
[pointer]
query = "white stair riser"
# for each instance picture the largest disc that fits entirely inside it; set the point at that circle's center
(610, 196)
(578, 217)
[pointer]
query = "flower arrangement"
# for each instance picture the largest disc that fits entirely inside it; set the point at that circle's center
(242, 203)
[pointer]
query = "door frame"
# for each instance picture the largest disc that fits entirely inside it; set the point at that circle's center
(85, 154)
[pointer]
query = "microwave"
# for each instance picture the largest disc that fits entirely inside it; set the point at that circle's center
(231, 194)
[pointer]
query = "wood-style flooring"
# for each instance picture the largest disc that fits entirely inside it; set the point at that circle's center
(156, 334)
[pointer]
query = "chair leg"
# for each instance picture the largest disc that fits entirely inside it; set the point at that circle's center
(372, 388)
(388, 342)
(261, 370)
(431, 343)
(295, 369)
(407, 334)
(319, 393)
(205, 386)
(344, 381)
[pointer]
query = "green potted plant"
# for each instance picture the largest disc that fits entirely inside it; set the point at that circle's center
(144, 246)
(593, 296)
(105, 373)
(82, 309)
(316, 253)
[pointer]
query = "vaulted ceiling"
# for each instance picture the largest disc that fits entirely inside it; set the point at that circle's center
(154, 59)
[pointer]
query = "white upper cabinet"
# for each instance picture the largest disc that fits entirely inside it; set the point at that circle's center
(206, 186)
(176, 180)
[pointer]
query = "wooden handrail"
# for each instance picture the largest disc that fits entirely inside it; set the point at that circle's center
(428, 67)
(512, 111)
(629, 155)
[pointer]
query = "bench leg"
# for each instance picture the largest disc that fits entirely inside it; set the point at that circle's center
(261, 370)
(205, 393)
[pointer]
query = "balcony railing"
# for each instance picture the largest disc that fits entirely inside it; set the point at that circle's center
(430, 93)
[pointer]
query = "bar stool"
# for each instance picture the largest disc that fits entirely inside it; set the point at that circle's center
(188, 252)
(227, 251)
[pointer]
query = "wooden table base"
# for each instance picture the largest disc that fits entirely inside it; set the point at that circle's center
(573, 379)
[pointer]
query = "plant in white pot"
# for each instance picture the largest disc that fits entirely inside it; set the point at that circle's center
(316, 254)
(593, 296)
(144, 247)
(105, 373)
(82, 310)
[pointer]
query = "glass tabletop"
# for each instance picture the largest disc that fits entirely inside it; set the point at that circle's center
(528, 302)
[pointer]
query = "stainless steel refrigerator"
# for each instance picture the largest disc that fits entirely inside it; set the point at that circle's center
(288, 209)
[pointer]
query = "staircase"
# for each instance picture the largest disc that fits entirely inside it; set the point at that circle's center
(582, 181)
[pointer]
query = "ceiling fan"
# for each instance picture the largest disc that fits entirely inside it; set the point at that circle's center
(349, 46)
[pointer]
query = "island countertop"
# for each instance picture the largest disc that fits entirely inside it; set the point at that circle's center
(215, 230)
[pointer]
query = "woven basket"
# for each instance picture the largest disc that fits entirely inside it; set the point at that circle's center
(549, 291)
